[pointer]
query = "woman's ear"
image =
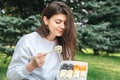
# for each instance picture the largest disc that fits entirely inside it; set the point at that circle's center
(45, 19)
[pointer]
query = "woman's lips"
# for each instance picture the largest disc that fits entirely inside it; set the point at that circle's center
(60, 31)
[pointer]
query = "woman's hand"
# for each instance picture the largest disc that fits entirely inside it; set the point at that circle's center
(38, 61)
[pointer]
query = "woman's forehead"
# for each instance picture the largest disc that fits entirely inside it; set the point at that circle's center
(59, 17)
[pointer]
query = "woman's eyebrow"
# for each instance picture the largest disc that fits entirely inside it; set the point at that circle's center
(60, 20)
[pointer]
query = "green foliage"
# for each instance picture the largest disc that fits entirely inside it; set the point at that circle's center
(99, 20)
(103, 27)
(94, 37)
(11, 29)
(22, 8)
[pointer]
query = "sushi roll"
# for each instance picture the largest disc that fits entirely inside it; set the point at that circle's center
(76, 72)
(83, 72)
(63, 71)
(69, 72)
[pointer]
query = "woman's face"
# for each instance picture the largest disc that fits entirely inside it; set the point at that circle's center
(56, 25)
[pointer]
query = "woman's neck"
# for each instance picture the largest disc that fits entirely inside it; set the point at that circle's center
(50, 38)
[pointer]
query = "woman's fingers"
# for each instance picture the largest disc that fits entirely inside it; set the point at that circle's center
(40, 55)
(39, 60)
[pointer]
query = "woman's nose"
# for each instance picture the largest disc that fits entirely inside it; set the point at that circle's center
(62, 25)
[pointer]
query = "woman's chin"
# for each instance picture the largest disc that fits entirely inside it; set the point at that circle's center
(59, 35)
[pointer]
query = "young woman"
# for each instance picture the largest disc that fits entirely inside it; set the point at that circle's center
(57, 28)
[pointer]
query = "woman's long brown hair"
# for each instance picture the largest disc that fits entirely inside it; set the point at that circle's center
(68, 39)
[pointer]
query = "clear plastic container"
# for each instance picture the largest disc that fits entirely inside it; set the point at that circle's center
(73, 70)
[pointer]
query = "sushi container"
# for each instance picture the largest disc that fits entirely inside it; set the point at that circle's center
(73, 70)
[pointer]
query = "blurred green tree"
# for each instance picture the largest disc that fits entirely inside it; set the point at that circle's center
(98, 21)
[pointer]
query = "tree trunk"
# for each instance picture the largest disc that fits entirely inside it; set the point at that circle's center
(96, 52)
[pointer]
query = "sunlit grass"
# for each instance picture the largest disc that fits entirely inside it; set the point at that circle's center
(3, 67)
(101, 67)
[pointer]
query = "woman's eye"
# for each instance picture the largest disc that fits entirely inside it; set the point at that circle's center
(57, 22)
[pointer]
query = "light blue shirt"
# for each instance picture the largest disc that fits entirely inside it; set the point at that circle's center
(30, 45)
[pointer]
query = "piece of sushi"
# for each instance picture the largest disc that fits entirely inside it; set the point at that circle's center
(76, 72)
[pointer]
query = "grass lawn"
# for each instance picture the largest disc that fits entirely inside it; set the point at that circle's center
(100, 67)
(3, 67)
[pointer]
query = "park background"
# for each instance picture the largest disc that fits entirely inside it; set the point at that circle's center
(98, 30)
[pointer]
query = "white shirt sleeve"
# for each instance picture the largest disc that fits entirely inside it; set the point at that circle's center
(17, 67)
